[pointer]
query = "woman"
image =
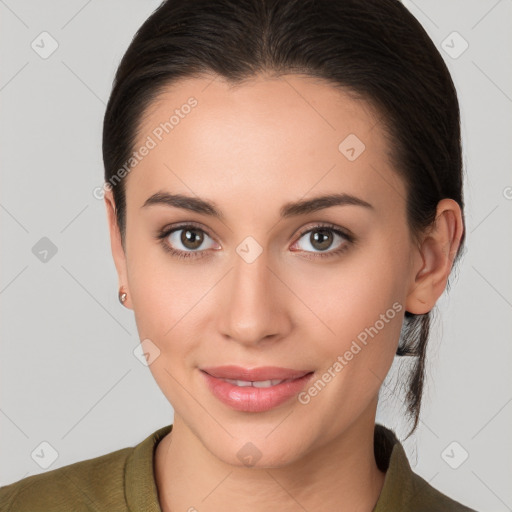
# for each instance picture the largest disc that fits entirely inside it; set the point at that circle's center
(283, 184)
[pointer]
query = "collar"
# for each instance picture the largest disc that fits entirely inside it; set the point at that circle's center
(403, 490)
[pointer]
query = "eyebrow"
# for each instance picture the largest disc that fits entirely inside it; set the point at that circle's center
(290, 209)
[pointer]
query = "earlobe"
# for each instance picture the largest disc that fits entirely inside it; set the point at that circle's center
(435, 254)
(116, 246)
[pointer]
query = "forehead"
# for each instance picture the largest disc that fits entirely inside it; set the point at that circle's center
(265, 137)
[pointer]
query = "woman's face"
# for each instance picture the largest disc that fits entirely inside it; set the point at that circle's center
(257, 288)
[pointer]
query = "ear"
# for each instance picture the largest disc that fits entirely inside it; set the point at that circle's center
(116, 246)
(435, 258)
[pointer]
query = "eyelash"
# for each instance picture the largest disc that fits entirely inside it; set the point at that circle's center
(165, 232)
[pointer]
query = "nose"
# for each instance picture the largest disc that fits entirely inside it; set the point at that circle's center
(253, 303)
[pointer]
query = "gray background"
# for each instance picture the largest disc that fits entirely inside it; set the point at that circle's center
(68, 373)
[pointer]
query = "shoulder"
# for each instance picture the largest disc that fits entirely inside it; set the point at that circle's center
(96, 484)
(429, 498)
(405, 490)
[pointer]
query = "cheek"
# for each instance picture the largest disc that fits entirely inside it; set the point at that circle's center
(174, 304)
(167, 305)
(351, 296)
(361, 309)
(358, 309)
(165, 301)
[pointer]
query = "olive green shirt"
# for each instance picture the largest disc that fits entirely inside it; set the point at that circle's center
(124, 481)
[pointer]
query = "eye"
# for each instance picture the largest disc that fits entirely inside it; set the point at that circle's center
(185, 241)
(323, 237)
(191, 241)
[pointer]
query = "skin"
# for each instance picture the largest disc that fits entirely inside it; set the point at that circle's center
(251, 149)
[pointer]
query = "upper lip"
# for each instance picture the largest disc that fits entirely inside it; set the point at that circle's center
(254, 374)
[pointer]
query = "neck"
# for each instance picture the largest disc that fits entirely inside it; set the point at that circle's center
(340, 475)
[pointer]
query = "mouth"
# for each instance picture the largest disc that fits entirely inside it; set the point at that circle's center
(260, 374)
(255, 390)
(256, 383)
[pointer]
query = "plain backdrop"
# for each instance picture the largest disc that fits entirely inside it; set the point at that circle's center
(69, 376)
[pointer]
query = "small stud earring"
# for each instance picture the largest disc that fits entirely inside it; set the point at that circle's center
(122, 296)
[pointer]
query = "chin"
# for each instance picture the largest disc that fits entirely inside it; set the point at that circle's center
(255, 455)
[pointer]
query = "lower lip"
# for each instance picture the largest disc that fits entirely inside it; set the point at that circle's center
(251, 399)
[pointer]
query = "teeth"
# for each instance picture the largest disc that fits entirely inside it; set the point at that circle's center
(256, 384)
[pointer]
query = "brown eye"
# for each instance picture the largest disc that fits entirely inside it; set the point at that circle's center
(321, 239)
(191, 238)
(187, 240)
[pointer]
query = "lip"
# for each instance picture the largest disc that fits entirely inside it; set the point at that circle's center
(253, 399)
(254, 374)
